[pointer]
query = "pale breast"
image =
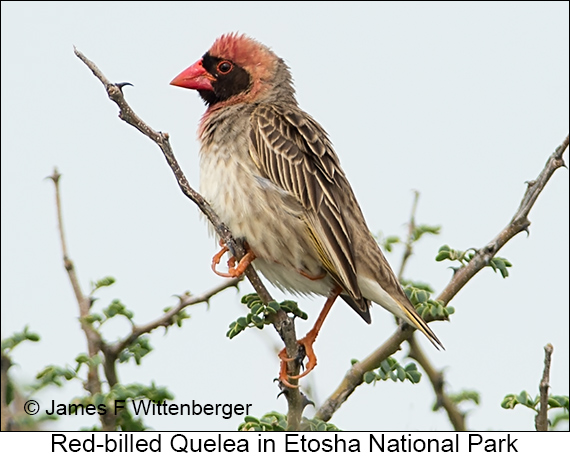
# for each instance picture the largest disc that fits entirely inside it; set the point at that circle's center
(255, 209)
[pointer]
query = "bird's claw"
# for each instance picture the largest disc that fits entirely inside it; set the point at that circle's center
(305, 350)
(233, 271)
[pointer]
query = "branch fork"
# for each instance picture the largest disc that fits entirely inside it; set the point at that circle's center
(282, 323)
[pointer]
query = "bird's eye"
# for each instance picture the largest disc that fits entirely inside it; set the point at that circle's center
(224, 67)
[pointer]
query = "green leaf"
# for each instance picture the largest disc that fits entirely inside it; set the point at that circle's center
(443, 253)
(257, 320)
(104, 282)
(401, 373)
(553, 403)
(234, 330)
(501, 264)
(273, 307)
(369, 377)
(387, 243)
(414, 376)
(54, 375)
(437, 310)
(93, 317)
(136, 350)
(82, 359)
(417, 285)
(251, 419)
(465, 395)
(250, 299)
(509, 402)
(420, 230)
(559, 400)
(257, 308)
(13, 340)
(422, 296)
(523, 397)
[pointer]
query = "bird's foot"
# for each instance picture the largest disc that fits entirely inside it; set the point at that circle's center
(307, 344)
(233, 271)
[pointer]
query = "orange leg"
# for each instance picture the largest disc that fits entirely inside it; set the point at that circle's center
(218, 256)
(307, 343)
(233, 271)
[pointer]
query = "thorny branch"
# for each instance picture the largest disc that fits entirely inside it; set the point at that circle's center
(95, 342)
(93, 384)
(518, 223)
(456, 417)
(409, 241)
(282, 322)
(541, 419)
(166, 319)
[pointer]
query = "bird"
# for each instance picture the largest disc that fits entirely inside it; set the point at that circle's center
(269, 171)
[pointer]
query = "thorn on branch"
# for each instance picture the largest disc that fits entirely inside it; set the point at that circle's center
(489, 249)
(526, 230)
(55, 176)
(67, 264)
(121, 85)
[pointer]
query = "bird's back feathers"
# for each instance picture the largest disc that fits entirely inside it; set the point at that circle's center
(280, 168)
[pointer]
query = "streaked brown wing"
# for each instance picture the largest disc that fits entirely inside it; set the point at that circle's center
(293, 151)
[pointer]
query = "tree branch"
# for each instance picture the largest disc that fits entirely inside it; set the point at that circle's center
(541, 419)
(94, 341)
(409, 242)
(166, 320)
(282, 322)
(456, 417)
(518, 223)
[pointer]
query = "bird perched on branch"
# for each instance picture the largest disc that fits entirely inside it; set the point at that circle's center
(270, 173)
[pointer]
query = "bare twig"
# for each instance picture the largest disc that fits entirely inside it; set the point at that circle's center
(519, 223)
(282, 322)
(456, 417)
(112, 352)
(410, 241)
(166, 319)
(541, 419)
(94, 341)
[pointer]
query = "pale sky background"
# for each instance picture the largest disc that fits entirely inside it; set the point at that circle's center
(463, 102)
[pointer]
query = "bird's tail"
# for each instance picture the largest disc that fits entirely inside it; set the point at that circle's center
(416, 320)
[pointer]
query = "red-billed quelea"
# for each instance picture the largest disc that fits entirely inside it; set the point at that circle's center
(270, 172)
